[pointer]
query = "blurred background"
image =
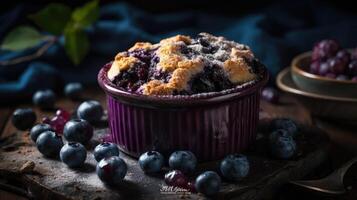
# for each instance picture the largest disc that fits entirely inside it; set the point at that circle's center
(275, 30)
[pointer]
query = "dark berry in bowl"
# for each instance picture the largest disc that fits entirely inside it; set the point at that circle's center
(184, 161)
(325, 49)
(38, 129)
(23, 118)
(49, 144)
(324, 69)
(78, 130)
(352, 68)
(344, 55)
(208, 183)
(315, 67)
(73, 90)
(111, 170)
(151, 161)
(336, 65)
(176, 178)
(286, 124)
(73, 154)
(342, 77)
(282, 145)
(44, 99)
(104, 150)
(91, 111)
(270, 94)
(234, 167)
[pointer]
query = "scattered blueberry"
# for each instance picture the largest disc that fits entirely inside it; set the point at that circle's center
(285, 123)
(73, 154)
(176, 178)
(45, 99)
(151, 161)
(73, 90)
(208, 183)
(282, 144)
(78, 130)
(49, 143)
(270, 94)
(111, 170)
(91, 111)
(234, 167)
(23, 118)
(104, 150)
(38, 129)
(183, 160)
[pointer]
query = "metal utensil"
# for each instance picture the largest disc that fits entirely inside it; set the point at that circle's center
(332, 184)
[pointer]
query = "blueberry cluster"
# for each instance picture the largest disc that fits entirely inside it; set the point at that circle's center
(330, 60)
(183, 163)
(281, 139)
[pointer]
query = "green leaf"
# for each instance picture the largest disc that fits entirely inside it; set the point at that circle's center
(87, 14)
(76, 44)
(53, 18)
(21, 38)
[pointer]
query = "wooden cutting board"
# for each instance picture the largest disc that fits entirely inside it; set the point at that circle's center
(22, 166)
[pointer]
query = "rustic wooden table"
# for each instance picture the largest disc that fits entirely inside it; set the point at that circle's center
(343, 146)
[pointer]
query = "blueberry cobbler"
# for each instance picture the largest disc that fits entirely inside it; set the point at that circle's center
(182, 65)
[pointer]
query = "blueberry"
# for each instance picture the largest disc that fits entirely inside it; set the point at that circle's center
(282, 144)
(270, 94)
(111, 170)
(105, 149)
(352, 68)
(285, 123)
(176, 178)
(151, 161)
(325, 49)
(78, 130)
(324, 69)
(23, 118)
(337, 65)
(208, 183)
(45, 99)
(73, 154)
(38, 129)
(183, 160)
(73, 90)
(91, 111)
(279, 133)
(315, 67)
(234, 167)
(344, 55)
(49, 143)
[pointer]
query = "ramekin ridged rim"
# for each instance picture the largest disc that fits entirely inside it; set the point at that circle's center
(180, 100)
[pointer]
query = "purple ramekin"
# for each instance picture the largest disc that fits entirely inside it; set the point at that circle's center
(211, 125)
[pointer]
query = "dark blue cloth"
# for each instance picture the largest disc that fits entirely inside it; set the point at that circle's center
(275, 34)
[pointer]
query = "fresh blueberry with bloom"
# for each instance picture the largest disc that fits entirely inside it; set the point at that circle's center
(176, 178)
(73, 154)
(234, 167)
(151, 161)
(44, 99)
(282, 144)
(49, 143)
(78, 130)
(73, 90)
(270, 94)
(104, 150)
(38, 129)
(111, 170)
(208, 183)
(91, 111)
(286, 124)
(23, 118)
(184, 161)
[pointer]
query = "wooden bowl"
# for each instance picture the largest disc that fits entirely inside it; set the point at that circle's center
(342, 109)
(318, 84)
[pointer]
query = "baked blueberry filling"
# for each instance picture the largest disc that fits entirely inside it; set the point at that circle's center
(184, 66)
